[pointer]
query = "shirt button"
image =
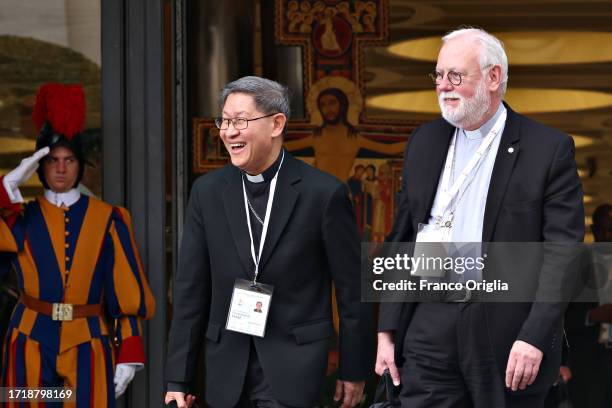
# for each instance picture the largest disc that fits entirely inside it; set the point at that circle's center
(67, 233)
(67, 219)
(67, 258)
(67, 271)
(67, 245)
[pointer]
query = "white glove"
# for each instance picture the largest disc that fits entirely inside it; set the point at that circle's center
(21, 174)
(124, 374)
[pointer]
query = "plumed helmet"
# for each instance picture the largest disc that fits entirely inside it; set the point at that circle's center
(59, 117)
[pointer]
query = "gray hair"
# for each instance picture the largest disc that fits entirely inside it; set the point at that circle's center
(492, 50)
(269, 96)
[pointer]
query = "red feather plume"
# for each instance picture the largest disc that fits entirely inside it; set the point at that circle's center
(63, 106)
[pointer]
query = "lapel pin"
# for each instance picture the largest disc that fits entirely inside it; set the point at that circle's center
(511, 150)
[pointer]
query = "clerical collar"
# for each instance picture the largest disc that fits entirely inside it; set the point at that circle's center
(59, 199)
(486, 127)
(269, 173)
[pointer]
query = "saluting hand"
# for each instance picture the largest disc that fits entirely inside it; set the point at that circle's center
(23, 172)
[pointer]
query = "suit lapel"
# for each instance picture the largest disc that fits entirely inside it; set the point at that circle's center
(502, 170)
(233, 203)
(433, 160)
(284, 200)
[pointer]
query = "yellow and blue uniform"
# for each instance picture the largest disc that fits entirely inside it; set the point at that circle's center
(84, 255)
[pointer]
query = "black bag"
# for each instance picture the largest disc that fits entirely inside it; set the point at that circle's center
(558, 396)
(563, 399)
(390, 392)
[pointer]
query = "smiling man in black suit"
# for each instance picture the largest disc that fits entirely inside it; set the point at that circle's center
(272, 229)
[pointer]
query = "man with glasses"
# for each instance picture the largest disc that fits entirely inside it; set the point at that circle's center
(483, 173)
(266, 228)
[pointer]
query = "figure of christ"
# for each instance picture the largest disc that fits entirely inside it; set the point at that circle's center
(336, 143)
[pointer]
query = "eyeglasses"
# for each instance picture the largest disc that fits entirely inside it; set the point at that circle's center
(453, 77)
(238, 123)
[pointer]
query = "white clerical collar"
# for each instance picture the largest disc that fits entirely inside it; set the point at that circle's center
(58, 199)
(269, 173)
(258, 178)
(486, 127)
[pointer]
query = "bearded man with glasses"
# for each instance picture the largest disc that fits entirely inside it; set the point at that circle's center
(482, 173)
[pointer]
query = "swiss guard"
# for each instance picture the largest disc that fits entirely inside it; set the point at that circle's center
(83, 291)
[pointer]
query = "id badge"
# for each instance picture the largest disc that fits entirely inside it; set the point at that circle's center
(249, 307)
(430, 251)
(432, 233)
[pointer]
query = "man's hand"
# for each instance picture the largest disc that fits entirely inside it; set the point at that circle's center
(523, 365)
(22, 173)
(124, 374)
(182, 401)
(385, 357)
(350, 393)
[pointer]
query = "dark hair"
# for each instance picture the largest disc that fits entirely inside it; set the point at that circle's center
(269, 96)
(48, 138)
(372, 167)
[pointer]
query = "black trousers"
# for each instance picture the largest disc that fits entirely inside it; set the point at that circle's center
(449, 361)
(256, 392)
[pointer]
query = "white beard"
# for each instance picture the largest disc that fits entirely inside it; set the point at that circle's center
(470, 110)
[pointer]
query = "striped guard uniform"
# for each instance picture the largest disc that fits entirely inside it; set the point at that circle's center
(83, 255)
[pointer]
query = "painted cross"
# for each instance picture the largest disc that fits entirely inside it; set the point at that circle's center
(336, 136)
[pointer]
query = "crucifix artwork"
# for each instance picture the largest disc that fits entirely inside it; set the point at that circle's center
(336, 134)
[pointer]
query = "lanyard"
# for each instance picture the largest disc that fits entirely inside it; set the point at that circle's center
(266, 222)
(449, 193)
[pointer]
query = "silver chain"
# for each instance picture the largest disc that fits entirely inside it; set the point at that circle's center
(254, 213)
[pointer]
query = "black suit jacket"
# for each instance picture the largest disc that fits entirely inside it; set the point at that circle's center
(312, 241)
(534, 195)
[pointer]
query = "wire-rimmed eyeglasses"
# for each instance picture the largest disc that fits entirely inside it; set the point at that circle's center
(454, 77)
(238, 123)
